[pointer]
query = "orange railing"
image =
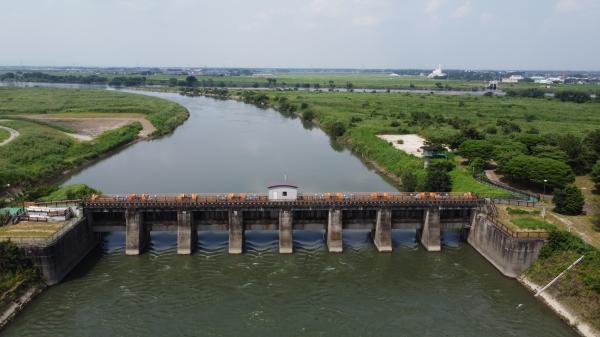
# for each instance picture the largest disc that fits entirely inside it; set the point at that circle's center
(302, 197)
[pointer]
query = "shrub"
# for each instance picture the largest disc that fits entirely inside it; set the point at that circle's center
(573, 96)
(596, 175)
(569, 200)
(337, 129)
(308, 115)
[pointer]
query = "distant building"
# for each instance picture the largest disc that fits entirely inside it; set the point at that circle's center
(393, 75)
(513, 79)
(263, 75)
(283, 191)
(437, 73)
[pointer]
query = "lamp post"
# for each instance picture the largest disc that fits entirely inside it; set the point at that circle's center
(545, 181)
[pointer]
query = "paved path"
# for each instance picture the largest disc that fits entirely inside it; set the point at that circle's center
(13, 134)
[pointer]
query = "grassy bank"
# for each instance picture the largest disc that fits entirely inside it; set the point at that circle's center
(43, 150)
(357, 119)
(579, 289)
(163, 114)
(17, 273)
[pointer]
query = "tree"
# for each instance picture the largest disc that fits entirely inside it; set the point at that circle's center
(569, 200)
(593, 141)
(438, 179)
(580, 156)
(596, 175)
(476, 149)
(534, 170)
(409, 181)
(573, 96)
(191, 81)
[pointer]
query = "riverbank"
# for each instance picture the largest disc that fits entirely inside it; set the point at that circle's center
(44, 153)
(14, 307)
(567, 314)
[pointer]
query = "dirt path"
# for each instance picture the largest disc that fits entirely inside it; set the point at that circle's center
(13, 134)
(90, 127)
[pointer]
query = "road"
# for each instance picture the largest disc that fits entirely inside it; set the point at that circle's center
(13, 134)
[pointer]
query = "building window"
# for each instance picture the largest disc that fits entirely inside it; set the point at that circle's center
(284, 194)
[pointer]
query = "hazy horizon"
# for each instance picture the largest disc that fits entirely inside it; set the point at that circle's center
(317, 34)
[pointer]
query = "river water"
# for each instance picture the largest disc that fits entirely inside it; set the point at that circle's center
(229, 146)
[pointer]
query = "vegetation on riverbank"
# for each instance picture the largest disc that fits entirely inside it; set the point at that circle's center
(163, 114)
(511, 127)
(579, 289)
(43, 150)
(70, 192)
(17, 272)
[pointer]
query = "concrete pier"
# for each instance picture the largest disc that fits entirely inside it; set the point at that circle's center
(136, 235)
(334, 231)
(383, 230)
(187, 236)
(431, 234)
(286, 219)
(236, 231)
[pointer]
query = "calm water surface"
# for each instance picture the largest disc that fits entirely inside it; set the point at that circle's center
(229, 146)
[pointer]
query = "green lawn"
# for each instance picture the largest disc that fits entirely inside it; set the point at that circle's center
(531, 223)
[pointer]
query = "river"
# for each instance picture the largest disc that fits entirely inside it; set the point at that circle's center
(230, 146)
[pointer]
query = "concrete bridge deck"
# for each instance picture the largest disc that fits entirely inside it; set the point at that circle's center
(379, 212)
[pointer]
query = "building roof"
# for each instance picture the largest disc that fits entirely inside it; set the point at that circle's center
(282, 184)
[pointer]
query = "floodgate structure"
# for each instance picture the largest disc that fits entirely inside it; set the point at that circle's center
(429, 215)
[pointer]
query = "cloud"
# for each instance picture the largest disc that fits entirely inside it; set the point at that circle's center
(572, 5)
(361, 13)
(433, 5)
(462, 10)
(487, 18)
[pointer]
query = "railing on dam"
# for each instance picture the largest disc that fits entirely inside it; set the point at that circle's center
(262, 199)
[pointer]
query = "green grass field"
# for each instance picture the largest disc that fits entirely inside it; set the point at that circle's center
(164, 115)
(531, 223)
(43, 150)
(4, 135)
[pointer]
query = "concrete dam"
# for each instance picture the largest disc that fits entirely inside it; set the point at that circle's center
(189, 215)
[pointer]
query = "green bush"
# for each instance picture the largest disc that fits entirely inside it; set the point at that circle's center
(438, 178)
(71, 192)
(308, 115)
(573, 96)
(568, 200)
(533, 170)
(471, 149)
(337, 128)
(596, 175)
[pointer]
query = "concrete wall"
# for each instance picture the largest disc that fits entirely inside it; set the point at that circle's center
(510, 255)
(57, 258)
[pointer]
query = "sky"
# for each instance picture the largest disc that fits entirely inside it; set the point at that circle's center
(459, 34)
